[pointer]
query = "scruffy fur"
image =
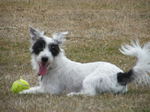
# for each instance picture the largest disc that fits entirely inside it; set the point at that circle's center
(84, 78)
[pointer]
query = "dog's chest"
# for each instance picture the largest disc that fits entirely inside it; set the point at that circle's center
(63, 80)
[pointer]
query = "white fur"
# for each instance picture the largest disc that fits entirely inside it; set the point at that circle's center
(142, 66)
(85, 78)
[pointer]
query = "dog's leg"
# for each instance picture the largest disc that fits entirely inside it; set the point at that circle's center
(87, 91)
(32, 90)
(88, 88)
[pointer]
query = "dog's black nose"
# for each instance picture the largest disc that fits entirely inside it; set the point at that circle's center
(44, 59)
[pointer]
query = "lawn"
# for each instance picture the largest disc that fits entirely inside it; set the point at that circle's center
(97, 28)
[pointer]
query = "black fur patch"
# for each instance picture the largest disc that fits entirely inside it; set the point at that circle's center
(124, 78)
(38, 46)
(54, 49)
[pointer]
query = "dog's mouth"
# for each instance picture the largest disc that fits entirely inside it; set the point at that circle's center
(43, 68)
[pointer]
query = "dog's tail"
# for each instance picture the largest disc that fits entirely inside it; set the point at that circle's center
(139, 73)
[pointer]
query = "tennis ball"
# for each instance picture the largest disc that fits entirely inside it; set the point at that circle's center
(19, 85)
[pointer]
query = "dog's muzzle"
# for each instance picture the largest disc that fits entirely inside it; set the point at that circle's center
(43, 66)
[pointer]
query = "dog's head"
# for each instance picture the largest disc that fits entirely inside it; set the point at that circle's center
(45, 49)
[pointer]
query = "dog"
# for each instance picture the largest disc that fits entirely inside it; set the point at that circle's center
(58, 73)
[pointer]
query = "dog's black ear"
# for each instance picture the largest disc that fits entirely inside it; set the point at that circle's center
(35, 34)
(60, 37)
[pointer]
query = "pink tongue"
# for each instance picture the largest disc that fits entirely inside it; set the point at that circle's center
(43, 69)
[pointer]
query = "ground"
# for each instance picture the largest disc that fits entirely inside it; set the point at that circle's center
(97, 30)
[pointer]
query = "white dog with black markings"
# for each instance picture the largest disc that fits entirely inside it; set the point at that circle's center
(59, 74)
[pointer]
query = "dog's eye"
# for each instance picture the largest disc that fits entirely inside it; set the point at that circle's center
(38, 46)
(54, 48)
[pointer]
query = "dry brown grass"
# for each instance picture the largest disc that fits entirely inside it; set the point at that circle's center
(97, 28)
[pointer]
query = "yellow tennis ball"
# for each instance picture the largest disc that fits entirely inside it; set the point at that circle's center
(19, 85)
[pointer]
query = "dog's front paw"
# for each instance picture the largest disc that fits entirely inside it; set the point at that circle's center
(73, 94)
(70, 94)
(24, 92)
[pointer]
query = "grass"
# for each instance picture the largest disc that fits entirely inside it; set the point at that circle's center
(97, 29)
